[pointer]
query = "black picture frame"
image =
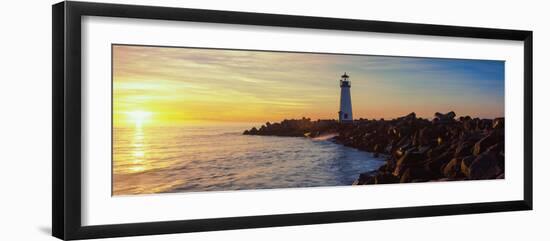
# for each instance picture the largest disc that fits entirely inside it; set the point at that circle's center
(66, 76)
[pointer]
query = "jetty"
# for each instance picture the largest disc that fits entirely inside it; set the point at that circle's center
(445, 148)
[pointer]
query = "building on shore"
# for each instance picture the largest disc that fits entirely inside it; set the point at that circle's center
(345, 114)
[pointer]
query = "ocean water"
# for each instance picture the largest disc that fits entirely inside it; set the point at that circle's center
(191, 158)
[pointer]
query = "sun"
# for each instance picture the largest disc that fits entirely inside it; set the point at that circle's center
(139, 117)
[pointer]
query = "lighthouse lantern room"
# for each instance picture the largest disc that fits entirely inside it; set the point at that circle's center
(345, 114)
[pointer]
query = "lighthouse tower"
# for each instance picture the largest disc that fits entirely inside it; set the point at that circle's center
(345, 114)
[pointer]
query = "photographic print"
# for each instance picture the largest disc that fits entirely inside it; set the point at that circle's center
(198, 119)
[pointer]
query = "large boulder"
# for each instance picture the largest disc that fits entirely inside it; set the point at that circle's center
(485, 166)
(465, 164)
(410, 116)
(253, 131)
(376, 177)
(484, 124)
(438, 150)
(452, 169)
(498, 123)
(464, 148)
(497, 148)
(412, 158)
(445, 118)
(425, 136)
(415, 174)
(468, 124)
(436, 164)
(385, 178)
(491, 139)
(365, 178)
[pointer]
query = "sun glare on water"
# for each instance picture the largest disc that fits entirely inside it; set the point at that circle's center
(139, 117)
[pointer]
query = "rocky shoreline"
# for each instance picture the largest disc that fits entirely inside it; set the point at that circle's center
(418, 150)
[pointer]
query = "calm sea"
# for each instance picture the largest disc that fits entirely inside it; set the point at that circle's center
(211, 157)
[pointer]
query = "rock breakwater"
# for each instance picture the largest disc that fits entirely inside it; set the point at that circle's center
(417, 150)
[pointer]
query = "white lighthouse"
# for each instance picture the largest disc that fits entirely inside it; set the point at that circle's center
(345, 114)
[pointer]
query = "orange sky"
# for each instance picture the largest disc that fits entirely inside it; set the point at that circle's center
(163, 85)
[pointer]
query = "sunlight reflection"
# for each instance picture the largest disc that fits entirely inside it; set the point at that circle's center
(139, 168)
(138, 152)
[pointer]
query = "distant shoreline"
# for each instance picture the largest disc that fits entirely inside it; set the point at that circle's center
(418, 150)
